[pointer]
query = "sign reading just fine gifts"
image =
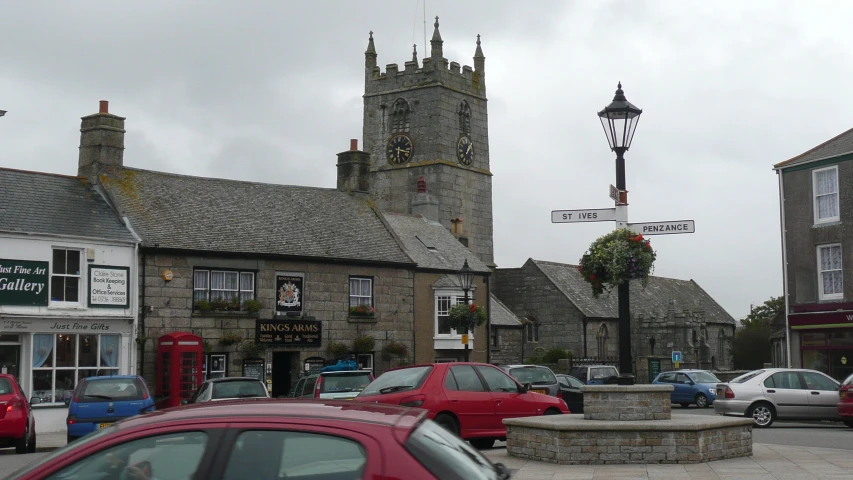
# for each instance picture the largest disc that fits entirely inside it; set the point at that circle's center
(109, 286)
(289, 293)
(23, 282)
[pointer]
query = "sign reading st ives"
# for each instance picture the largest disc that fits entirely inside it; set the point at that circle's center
(109, 286)
(23, 282)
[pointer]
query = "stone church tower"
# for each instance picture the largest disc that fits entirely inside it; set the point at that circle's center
(430, 120)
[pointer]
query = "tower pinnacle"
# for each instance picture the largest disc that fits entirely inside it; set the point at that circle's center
(436, 42)
(370, 53)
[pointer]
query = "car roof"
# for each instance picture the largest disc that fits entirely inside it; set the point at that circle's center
(246, 409)
(523, 365)
(113, 377)
(340, 372)
(232, 379)
(439, 364)
(590, 366)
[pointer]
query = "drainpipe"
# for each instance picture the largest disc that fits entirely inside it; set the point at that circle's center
(488, 322)
(784, 269)
(584, 336)
(142, 322)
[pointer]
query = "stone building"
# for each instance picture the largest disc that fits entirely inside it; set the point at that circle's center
(816, 211)
(68, 298)
(507, 334)
(222, 258)
(430, 120)
(667, 315)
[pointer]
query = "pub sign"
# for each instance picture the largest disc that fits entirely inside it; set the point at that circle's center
(289, 293)
(298, 333)
(23, 282)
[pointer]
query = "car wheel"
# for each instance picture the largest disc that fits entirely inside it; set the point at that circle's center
(849, 423)
(22, 443)
(32, 446)
(552, 411)
(684, 405)
(482, 443)
(448, 422)
(701, 400)
(763, 414)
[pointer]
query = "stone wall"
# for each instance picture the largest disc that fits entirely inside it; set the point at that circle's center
(626, 403)
(509, 348)
(168, 307)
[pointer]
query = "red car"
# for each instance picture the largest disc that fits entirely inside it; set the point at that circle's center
(17, 425)
(270, 438)
(845, 401)
(469, 399)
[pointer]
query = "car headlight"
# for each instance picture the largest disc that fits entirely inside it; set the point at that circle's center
(712, 391)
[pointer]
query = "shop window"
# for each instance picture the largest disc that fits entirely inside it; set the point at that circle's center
(817, 339)
(62, 360)
(223, 285)
(65, 276)
(825, 184)
(360, 292)
(830, 285)
(841, 339)
(214, 365)
(443, 303)
(364, 361)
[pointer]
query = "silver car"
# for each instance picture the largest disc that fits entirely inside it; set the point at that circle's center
(783, 393)
(541, 379)
(228, 388)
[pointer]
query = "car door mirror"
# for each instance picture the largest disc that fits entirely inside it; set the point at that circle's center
(185, 402)
(524, 388)
(37, 400)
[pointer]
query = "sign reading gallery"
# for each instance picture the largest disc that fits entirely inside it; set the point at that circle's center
(304, 333)
(109, 286)
(23, 282)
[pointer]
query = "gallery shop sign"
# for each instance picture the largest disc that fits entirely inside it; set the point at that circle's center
(109, 286)
(23, 282)
(302, 333)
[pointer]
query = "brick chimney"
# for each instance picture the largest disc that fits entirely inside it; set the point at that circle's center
(101, 143)
(423, 203)
(353, 169)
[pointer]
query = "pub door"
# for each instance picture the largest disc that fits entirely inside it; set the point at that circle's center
(282, 363)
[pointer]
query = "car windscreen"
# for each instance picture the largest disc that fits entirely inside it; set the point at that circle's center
(848, 380)
(746, 376)
(113, 389)
(571, 381)
(345, 382)
(447, 456)
(82, 443)
(533, 375)
(238, 389)
(705, 377)
(397, 381)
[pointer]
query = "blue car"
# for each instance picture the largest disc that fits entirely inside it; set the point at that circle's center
(690, 387)
(99, 402)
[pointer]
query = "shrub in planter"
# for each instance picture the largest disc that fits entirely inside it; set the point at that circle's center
(230, 339)
(394, 349)
(219, 305)
(615, 258)
(462, 315)
(203, 306)
(252, 306)
(251, 349)
(363, 344)
(337, 349)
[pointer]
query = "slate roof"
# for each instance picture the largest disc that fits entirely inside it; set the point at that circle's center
(657, 296)
(431, 245)
(183, 212)
(500, 315)
(834, 147)
(45, 203)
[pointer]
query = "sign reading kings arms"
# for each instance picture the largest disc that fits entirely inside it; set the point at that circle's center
(305, 333)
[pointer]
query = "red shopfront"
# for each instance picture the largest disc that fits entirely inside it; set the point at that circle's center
(825, 340)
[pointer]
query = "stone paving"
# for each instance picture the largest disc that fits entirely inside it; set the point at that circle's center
(767, 462)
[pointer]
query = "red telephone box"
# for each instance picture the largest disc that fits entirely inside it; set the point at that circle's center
(179, 357)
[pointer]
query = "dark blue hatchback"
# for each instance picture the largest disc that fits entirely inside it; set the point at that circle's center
(101, 401)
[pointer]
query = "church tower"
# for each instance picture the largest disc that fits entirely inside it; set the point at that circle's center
(430, 120)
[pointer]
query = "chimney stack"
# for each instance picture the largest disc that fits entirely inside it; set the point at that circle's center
(353, 169)
(424, 204)
(101, 143)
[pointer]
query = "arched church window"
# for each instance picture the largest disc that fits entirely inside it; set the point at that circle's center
(464, 113)
(532, 330)
(721, 345)
(400, 116)
(601, 337)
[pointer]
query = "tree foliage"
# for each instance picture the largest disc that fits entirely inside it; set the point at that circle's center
(751, 345)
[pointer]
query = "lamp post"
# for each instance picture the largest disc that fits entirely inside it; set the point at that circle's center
(619, 120)
(465, 275)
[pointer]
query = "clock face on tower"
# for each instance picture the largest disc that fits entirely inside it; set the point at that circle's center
(465, 150)
(399, 149)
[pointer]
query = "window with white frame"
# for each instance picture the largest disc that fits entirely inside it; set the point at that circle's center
(830, 284)
(232, 286)
(825, 187)
(60, 361)
(443, 302)
(360, 292)
(65, 276)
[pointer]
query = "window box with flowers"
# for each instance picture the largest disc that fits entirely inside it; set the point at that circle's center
(615, 258)
(362, 313)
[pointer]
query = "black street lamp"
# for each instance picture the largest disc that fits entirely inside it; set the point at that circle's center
(465, 275)
(619, 120)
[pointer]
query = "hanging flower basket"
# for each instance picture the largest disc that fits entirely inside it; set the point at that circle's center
(615, 258)
(461, 316)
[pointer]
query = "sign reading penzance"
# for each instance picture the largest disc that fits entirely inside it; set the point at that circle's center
(23, 282)
(663, 228)
(109, 286)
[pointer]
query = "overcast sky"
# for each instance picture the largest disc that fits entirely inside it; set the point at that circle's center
(271, 91)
